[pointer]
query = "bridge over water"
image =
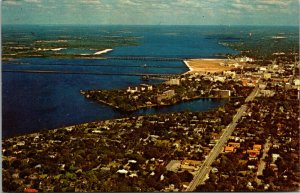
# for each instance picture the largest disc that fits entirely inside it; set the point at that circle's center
(145, 58)
(160, 76)
(139, 58)
(95, 65)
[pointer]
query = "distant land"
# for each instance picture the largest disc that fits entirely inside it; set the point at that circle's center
(162, 108)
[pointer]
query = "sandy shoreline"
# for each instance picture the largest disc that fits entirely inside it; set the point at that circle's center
(103, 51)
(207, 65)
(188, 65)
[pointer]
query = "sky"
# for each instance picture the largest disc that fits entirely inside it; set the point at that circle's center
(151, 12)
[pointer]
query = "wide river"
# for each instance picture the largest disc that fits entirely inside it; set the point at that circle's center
(32, 101)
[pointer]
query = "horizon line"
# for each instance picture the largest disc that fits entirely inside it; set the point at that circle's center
(229, 25)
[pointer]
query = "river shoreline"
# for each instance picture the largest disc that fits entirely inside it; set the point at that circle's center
(160, 105)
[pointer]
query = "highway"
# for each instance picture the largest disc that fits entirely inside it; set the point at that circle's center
(204, 170)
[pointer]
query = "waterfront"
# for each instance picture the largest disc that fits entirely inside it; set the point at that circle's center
(49, 101)
(44, 101)
(150, 96)
(32, 102)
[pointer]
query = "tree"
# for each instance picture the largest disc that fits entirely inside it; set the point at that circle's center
(152, 152)
(12, 186)
(25, 172)
(282, 165)
(174, 179)
(16, 163)
(5, 164)
(268, 172)
(207, 187)
(152, 182)
(185, 176)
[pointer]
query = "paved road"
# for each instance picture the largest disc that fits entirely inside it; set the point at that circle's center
(218, 148)
(262, 163)
(252, 94)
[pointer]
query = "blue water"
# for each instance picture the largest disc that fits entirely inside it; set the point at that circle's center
(32, 102)
(172, 41)
(47, 101)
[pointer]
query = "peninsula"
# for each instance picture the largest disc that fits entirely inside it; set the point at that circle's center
(207, 78)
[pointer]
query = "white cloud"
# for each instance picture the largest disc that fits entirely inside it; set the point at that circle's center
(274, 2)
(241, 6)
(32, 1)
(231, 11)
(164, 11)
(189, 3)
(11, 2)
(46, 7)
(91, 2)
(260, 6)
(130, 2)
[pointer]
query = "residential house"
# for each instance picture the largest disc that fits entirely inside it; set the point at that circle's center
(229, 73)
(30, 190)
(263, 69)
(297, 82)
(173, 165)
(219, 78)
(146, 87)
(165, 95)
(275, 156)
(132, 89)
(173, 81)
(253, 153)
(191, 162)
(228, 149)
(267, 93)
(262, 86)
(246, 82)
(267, 75)
(221, 93)
(257, 147)
(190, 165)
(235, 145)
(245, 59)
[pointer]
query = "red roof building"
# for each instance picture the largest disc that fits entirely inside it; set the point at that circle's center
(30, 190)
(228, 149)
